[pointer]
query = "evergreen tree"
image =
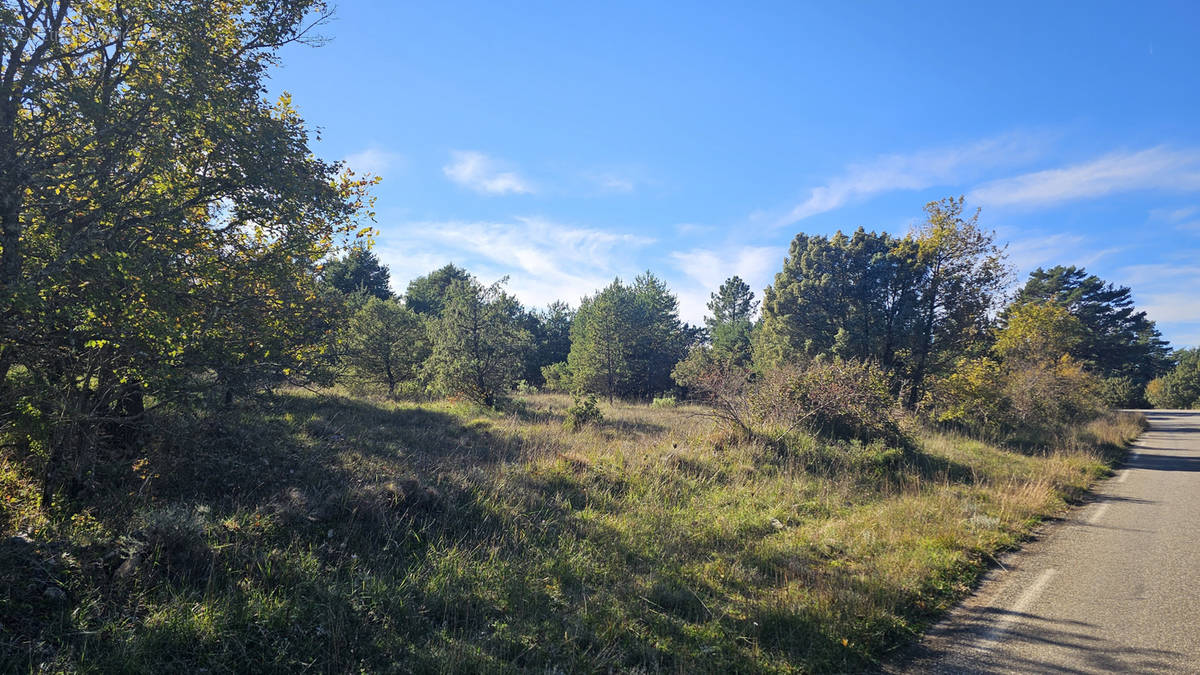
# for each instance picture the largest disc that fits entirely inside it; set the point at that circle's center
(478, 341)
(730, 322)
(427, 295)
(602, 341)
(1118, 340)
(550, 329)
(388, 343)
(359, 271)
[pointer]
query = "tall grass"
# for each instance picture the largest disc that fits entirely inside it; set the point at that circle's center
(332, 533)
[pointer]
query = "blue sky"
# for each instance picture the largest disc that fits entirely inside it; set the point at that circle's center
(563, 144)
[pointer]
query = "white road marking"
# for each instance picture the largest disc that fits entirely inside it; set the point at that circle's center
(1096, 515)
(996, 633)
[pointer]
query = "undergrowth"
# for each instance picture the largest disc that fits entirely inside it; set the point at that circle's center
(333, 533)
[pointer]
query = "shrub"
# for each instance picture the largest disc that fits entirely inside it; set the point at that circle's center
(1179, 388)
(664, 402)
(583, 412)
(557, 377)
(845, 399)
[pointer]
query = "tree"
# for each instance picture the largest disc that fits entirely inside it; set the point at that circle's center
(1029, 388)
(160, 222)
(660, 339)
(1179, 387)
(551, 334)
(1117, 340)
(854, 296)
(602, 341)
(478, 341)
(388, 343)
(625, 340)
(730, 323)
(359, 271)
(963, 276)
(427, 295)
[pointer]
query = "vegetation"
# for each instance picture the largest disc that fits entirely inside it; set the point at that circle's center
(1180, 387)
(359, 271)
(477, 342)
(346, 534)
(225, 445)
(1115, 340)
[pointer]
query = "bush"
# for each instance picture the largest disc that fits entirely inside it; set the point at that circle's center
(1023, 401)
(843, 399)
(582, 413)
(1179, 388)
(557, 377)
(664, 402)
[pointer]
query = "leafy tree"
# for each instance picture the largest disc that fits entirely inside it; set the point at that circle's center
(478, 341)
(1117, 340)
(1037, 333)
(359, 271)
(1029, 388)
(1179, 387)
(388, 343)
(427, 295)
(963, 276)
(160, 222)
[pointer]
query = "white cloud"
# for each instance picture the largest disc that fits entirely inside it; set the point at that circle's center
(707, 269)
(481, 173)
(1030, 252)
(545, 261)
(372, 160)
(611, 182)
(916, 171)
(1157, 168)
(1166, 292)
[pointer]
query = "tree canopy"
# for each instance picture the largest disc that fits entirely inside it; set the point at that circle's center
(160, 222)
(359, 271)
(1117, 340)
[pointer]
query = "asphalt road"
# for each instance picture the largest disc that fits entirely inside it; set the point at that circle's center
(1113, 589)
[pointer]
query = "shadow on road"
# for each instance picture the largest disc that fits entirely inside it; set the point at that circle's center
(1032, 634)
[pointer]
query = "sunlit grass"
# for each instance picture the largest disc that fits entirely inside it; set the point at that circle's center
(337, 533)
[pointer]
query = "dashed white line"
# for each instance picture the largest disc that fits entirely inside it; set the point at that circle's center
(1098, 513)
(996, 633)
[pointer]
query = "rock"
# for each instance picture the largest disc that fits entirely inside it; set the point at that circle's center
(776, 525)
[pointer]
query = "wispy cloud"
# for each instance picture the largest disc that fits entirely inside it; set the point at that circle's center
(916, 171)
(546, 261)
(373, 160)
(481, 173)
(1028, 252)
(706, 269)
(610, 182)
(1158, 168)
(1165, 291)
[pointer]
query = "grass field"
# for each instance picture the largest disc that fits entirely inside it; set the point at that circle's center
(332, 533)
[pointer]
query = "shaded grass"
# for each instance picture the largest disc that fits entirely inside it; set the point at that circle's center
(335, 533)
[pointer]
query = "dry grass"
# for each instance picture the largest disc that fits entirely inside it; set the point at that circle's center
(335, 534)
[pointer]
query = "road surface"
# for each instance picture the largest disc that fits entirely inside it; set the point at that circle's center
(1116, 588)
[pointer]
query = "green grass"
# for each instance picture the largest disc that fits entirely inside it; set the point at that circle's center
(336, 534)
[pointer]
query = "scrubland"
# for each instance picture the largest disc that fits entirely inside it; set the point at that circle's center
(318, 531)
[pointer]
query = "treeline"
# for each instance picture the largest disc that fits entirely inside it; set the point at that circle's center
(926, 314)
